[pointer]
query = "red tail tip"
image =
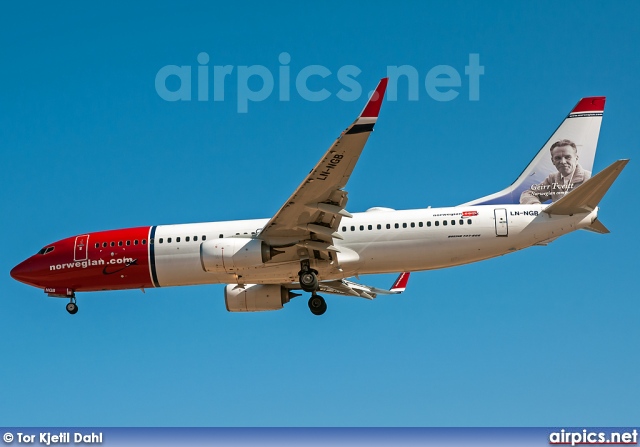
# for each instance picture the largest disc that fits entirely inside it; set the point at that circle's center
(591, 104)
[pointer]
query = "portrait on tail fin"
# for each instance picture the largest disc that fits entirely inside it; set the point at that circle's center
(564, 156)
(555, 169)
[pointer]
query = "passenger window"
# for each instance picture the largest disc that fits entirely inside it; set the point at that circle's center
(428, 223)
(404, 225)
(178, 239)
(437, 223)
(220, 236)
(353, 228)
(344, 229)
(469, 221)
(370, 227)
(195, 238)
(144, 242)
(128, 242)
(135, 242)
(361, 227)
(97, 244)
(160, 241)
(413, 225)
(444, 222)
(204, 237)
(397, 225)
(119, 243)
(104, 244)
(168, 240)
(453, 222)
(388, 226)
(113, 244)
(461, 222)
(420, 224)
(186, 239)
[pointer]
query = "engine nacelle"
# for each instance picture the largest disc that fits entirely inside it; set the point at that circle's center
(232, 254)
(256, 297)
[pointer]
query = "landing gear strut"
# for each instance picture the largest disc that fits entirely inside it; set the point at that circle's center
(308, 277)
(317, 305)
(72, 307)
(309, 283)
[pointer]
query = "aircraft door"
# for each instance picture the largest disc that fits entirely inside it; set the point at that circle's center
(80, 250)
(502, 227)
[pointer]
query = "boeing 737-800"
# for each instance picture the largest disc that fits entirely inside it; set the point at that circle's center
(313, 243)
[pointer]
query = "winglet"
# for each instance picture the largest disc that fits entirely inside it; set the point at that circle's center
(369, 116)
(372, 109)
(401, 283)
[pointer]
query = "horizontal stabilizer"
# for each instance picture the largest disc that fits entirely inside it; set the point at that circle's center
(597, 227)
(585, 198)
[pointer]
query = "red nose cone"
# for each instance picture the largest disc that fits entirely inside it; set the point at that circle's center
(23, 272)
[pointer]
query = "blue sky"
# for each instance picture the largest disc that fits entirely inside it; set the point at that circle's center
(544, 337)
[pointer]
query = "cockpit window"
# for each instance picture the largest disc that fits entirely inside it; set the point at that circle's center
(46, 250)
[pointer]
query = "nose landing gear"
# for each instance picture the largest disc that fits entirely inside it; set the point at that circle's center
(72, 307)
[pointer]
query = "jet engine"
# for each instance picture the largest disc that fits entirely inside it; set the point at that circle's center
(256, 297)
(232, 254)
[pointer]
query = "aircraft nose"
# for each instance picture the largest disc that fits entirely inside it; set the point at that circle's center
(23, 272)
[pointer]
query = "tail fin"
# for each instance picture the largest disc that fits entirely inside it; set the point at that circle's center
(586, 198)
(579, 130)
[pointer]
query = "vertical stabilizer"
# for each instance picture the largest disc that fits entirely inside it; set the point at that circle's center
(563, 163)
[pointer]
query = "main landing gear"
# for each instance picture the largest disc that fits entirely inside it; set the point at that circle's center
(72, 307)
(309, 283)
(317, 305)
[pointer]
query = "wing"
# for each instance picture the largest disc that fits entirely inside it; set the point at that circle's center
(344, 287)
(310, 218)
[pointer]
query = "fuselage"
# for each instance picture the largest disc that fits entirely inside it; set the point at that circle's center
(376, 241)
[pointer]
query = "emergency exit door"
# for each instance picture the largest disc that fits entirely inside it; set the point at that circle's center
(80, 249)
(502, 227)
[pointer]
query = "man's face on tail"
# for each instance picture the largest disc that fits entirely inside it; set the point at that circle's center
(564, 158)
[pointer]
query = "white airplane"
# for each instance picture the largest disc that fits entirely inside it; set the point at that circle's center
(313, 243)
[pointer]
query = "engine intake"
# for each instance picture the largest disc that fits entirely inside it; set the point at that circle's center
(256, 298)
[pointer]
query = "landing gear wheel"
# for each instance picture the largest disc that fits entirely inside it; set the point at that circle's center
(72, 308)
(317, 305)
(308, 281)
